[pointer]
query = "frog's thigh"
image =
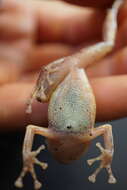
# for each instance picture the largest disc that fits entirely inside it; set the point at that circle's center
(29, 136)
(29, 156)
(106, 131)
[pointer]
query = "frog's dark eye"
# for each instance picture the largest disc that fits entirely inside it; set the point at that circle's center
(60, 108)
(69, 127)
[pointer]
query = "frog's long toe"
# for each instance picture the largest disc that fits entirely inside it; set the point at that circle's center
(91, 161)
(111, 178)
(92, 178)
(19, 183)
(29, 161)
(105, 159)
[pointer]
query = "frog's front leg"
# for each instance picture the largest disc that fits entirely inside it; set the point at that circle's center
(106, 154)
(29, 156)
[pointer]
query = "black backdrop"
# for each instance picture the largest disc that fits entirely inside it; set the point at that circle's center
(63, 177)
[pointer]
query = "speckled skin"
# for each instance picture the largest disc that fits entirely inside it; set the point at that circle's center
(72, 109)
(72, 105)
(71, 114)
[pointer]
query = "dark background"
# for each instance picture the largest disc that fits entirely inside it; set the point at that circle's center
(64, 177)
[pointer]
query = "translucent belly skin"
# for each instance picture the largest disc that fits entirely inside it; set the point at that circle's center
(67, 148)
(72, 105)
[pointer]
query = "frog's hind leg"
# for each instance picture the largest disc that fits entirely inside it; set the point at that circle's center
(106, 153)
(96, 52)
(29, 156)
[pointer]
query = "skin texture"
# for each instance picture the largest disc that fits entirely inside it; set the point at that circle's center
(30, 44)
(23, 41)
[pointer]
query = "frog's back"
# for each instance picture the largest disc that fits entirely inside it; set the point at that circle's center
(72, 105)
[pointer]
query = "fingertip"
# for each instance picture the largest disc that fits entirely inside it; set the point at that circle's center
(110, 93)
(58, 21)
(92, 3)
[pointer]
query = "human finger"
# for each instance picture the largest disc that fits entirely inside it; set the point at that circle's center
(112, 65)
(9, 72)
(13, 105)
(110, 99)
(92, 3)
(70, 24)
(16, 20)
(115, 64)
(110, 93)
(43, 54)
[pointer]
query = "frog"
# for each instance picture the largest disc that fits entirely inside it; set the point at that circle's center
(71, 109)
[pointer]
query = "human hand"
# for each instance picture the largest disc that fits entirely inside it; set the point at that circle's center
(93, 3)
(35, 33)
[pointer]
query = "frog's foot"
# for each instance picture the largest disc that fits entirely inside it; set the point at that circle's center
(29, 161)
(106, 158)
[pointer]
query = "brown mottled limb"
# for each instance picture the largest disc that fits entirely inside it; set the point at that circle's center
(96, 52)
(29, 156)
(106, 153)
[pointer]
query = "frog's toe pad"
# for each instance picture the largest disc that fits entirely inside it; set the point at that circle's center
(92, 178)
(19, 183)
(112, 180)
(37, 184)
